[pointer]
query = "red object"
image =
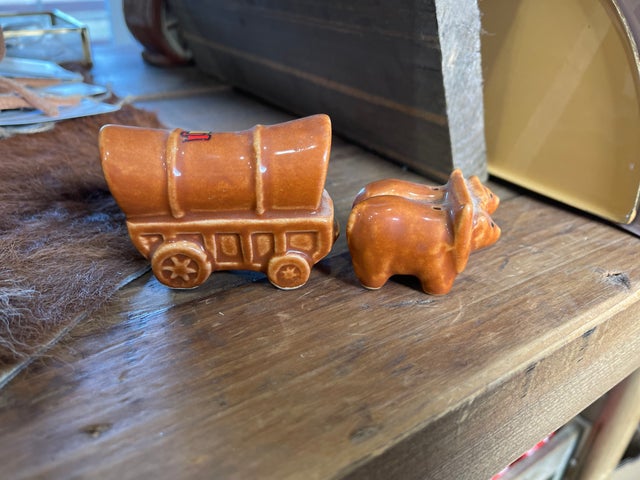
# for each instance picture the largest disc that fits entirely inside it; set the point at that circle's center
(194, 136)
(527, 454)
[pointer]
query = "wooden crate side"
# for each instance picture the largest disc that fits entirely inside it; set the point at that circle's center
(376, 70)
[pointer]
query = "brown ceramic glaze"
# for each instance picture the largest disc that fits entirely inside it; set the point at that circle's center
(397, 227)
(197, 202)
(485, 198)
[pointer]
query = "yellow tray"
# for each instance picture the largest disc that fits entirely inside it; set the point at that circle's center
(562, 101)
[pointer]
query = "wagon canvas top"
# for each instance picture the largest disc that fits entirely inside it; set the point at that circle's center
(179, 173)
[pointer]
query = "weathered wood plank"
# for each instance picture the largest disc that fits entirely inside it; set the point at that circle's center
(240, 380)
(237, 379)
(384, 73)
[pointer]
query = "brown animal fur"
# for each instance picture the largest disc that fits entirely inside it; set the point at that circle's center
(64, 247)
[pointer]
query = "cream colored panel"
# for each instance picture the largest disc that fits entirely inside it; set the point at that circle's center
(561, 102)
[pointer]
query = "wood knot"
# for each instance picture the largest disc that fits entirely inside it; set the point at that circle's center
(619, 279)
(96, 429)
(364, 433)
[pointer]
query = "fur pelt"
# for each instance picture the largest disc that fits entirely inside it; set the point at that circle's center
(64, 246)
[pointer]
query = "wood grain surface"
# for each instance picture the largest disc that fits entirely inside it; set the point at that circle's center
(383, 72)
(240, 380)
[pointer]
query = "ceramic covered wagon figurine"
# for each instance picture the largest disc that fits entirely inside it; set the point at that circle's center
(197, 202)
(399, 227)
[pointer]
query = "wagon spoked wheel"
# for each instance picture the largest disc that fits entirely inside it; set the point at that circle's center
(181, 264)
(289, 271)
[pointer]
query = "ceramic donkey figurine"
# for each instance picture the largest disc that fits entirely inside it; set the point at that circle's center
(397, 227)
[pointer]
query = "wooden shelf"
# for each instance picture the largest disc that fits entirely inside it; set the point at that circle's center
(237, 379)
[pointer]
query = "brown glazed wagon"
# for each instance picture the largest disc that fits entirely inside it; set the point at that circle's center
(197, 202)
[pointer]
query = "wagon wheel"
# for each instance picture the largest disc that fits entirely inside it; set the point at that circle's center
(181, 264)
(289, 271)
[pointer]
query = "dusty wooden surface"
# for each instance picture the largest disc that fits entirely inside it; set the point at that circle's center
(237, 379)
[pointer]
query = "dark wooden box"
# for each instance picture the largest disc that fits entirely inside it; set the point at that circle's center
(375, 67)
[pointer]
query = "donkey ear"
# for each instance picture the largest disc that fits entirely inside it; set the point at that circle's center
(462, 230)
(462, 207)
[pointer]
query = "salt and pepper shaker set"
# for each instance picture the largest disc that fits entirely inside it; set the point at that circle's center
(199, 201)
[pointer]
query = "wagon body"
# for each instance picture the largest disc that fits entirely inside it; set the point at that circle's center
(199, 201)
(285, 247)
